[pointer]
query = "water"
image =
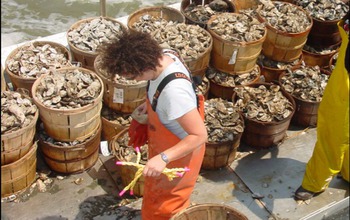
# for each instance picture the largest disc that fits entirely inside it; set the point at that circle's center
(24, 20)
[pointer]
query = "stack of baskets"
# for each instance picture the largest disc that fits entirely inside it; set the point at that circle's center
(70, 103)
(19, 116)
(232, 53)
(324, 37)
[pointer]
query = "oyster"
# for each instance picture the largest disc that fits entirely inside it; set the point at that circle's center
(204, 86)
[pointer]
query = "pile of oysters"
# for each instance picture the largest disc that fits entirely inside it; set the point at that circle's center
(148, 23)
(126, 153)
(266, 62)
(263, 103)
(307, 83)
(89, 34)
(34, 59)
(190, 40)
(117, 118)
(237, 27)
(284, 16)
(222, 120)
(17, 111)
(68, 89)
(325, 10)
(202, 13)
(230, 80)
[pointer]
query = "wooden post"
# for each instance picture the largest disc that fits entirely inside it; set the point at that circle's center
(103, 8)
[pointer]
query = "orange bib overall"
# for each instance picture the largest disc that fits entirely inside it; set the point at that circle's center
(163, 198)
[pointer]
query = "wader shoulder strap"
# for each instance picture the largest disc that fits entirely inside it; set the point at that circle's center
(164, 82)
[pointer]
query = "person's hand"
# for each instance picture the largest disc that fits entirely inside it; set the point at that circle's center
(137, 134)
(154, 166)
(138, 127)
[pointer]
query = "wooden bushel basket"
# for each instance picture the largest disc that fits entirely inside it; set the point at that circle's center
(209, 211)
(247, 53)
(72, 159)
(4, 86)
(218, 155)
(306, 111)
(87, 58)
(127, 172)
(123, 98)
(226, 92)
(27, 82)
(324, 34)
(246, 4)
(283, 46)
(70, 124)
(272, 74)
(111, 128)
(20, 174)
(321, 60)
(261, 135)
(16, 144)
(199, 66)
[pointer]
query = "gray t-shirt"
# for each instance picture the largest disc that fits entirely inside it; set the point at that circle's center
(176, 99)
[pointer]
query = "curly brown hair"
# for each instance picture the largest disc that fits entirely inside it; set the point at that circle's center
(130, 55)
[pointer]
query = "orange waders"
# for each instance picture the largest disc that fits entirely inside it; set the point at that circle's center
(163, 198)
(331, 152)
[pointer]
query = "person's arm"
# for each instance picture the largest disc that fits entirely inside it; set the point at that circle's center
(193, 124)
